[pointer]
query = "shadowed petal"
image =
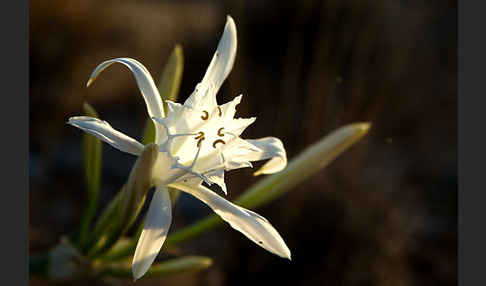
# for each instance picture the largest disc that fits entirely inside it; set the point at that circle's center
(105, 132)
(251, 224)
(154, 232)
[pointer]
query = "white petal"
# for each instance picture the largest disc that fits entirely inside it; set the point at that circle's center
(229, 109)
(105, 132)
(154, 232)
(163, 172)
(145, 84)
(224, 57)
(271, 148)
(219, 68)
(251, 224)
(238, 125)
(237, 153)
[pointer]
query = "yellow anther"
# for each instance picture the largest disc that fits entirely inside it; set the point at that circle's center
(200, 138)
(219, 111)
(201, 135)
(218, 141)
(219, 132)
(205, 116)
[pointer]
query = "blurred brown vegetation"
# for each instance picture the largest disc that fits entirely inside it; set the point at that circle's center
(384, 213)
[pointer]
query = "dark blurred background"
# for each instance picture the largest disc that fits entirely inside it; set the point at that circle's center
(384, 213)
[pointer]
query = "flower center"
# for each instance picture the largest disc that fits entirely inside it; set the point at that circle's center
(201, 135)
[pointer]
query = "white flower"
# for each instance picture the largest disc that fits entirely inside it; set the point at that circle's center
(198, 142)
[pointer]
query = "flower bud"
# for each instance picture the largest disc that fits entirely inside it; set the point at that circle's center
(139, 182)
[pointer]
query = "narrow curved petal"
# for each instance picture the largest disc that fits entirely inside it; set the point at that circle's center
(271, 148)
(154, 232)
(251, 224)
(219, 68)
(224, 57)
(105, 132)
(145, 83)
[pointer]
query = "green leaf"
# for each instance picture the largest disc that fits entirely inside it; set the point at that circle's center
(124, 247)
(92, 173)
(169, 84)
(169, 267)
(171, 77)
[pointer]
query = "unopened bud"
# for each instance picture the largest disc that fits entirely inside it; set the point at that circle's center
(139, 182)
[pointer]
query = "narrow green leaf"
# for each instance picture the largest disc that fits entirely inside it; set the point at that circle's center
(104, 222)
(169, 267)
(124, 247)
(92, 173)
(171, 77)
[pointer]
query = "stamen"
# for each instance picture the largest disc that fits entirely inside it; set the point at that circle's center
(205, 116)
(190, 168)
(197, 154)
(200, 138)
(230, 133)
(218, 141)
(201, 135)
(199, 142)
(219, 132)
(220, 112)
